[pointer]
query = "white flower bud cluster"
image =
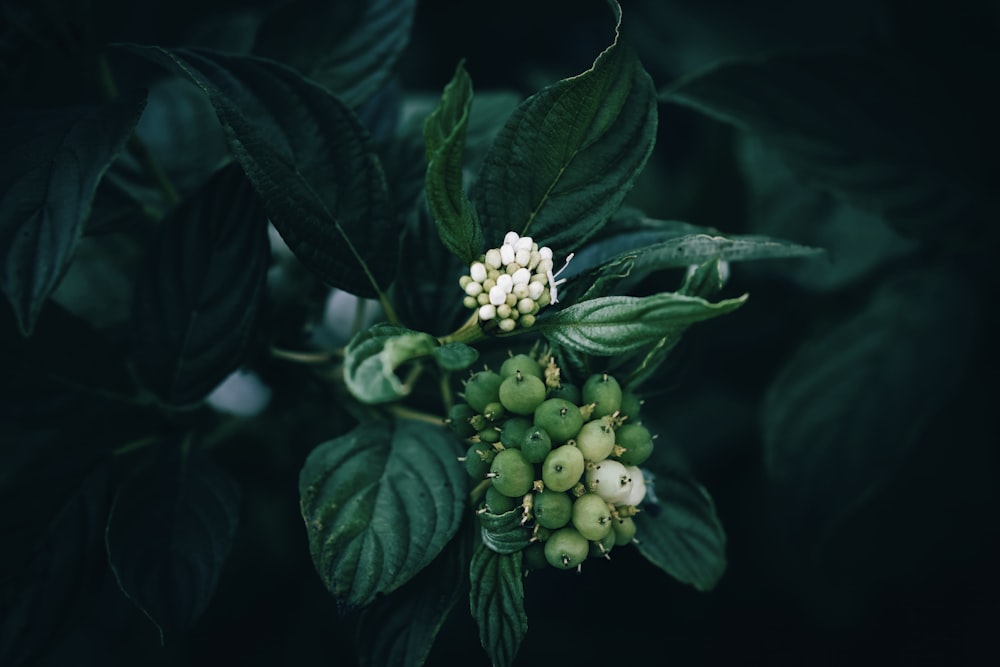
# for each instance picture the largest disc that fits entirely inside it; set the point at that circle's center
(508, 285)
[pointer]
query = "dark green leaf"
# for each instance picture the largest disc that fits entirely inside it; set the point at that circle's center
(44, 596)
(196, 300)
(877, 152)
(496, 601)
(504, 533)
(351, 48)
(843, 413)
(309, 158)
(681, 533)
(53, 161)
(614, 325)
(373, 356)
(651, 362)
(569, 154)
(694, 249)
(379, 503)
(455, 356)
(704, 279)
(444, 137)
(168, 535)
(400, 628)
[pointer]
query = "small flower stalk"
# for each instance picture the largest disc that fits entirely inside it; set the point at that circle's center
(507, 286)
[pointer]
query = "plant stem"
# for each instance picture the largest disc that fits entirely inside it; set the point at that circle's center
(469, 332)
(416, 415)
(479, 491)
(318, 357)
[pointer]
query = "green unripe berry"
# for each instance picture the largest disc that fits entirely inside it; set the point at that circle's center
(512, 475)
(624, 530)
(536, 444)
(562, 468)
(498, 503)
(591, 516)
(513, 432)
(601, 548)
(631, 405)
(637, 441)
(552, 509)
(566, 548)
(533, 557)
(603, 390)
(560, 419)
(458, 420)
(478, 458)
(596, 439)
(489, 434)
(521, 393)
(494, 411)
(610, 480)
(482, 389)
(521, 362)
(570, 392)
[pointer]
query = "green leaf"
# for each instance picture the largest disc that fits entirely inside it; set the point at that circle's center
(455, 356)
(569, 155)
(613, 325)
(379, 503)
(168, 535)
(444, 137)
(681, 533)
(351, 48)
(197, 296)
(697, 248)
(309, 158)
(496, 601)
(53, 162)
(703, 280)
(504, 533)
(879, 152)
(373, 356)
(400, 628)
(843, 413)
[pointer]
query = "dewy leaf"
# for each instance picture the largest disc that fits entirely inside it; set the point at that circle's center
(197, 296)
(876, 152)
(351, 48)
(569, 154)
(309, 158)
(612, 325)
(400, 628)
(681, 533)
(373, 356)
(444, 137)
(52, 163)
(168, 535)
(379, 503)
(843, 413)
(496, 601)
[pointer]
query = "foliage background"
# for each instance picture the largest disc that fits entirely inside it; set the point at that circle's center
(880, 549)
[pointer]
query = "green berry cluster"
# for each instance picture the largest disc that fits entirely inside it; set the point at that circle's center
(507, 286)
(568, 456)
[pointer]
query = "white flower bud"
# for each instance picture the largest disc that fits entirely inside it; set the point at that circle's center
(523, 243)
(506, 254)
(503, 311)
(470, 302)
(527, 320)
(507, 325)
(512, 268)
(498, 295)
(484, 298)
(493, 259)
(464, 281)
(535, 289)
(522, 256)
(521, 290)
(511, 238)
(521, 276)
(511, 300)
(526, 305)
(488, 284)
(473, 288)
(545, 252)
(487, 312)
(506, 283)
(533, 259)
(544, 266)
(478, 271)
